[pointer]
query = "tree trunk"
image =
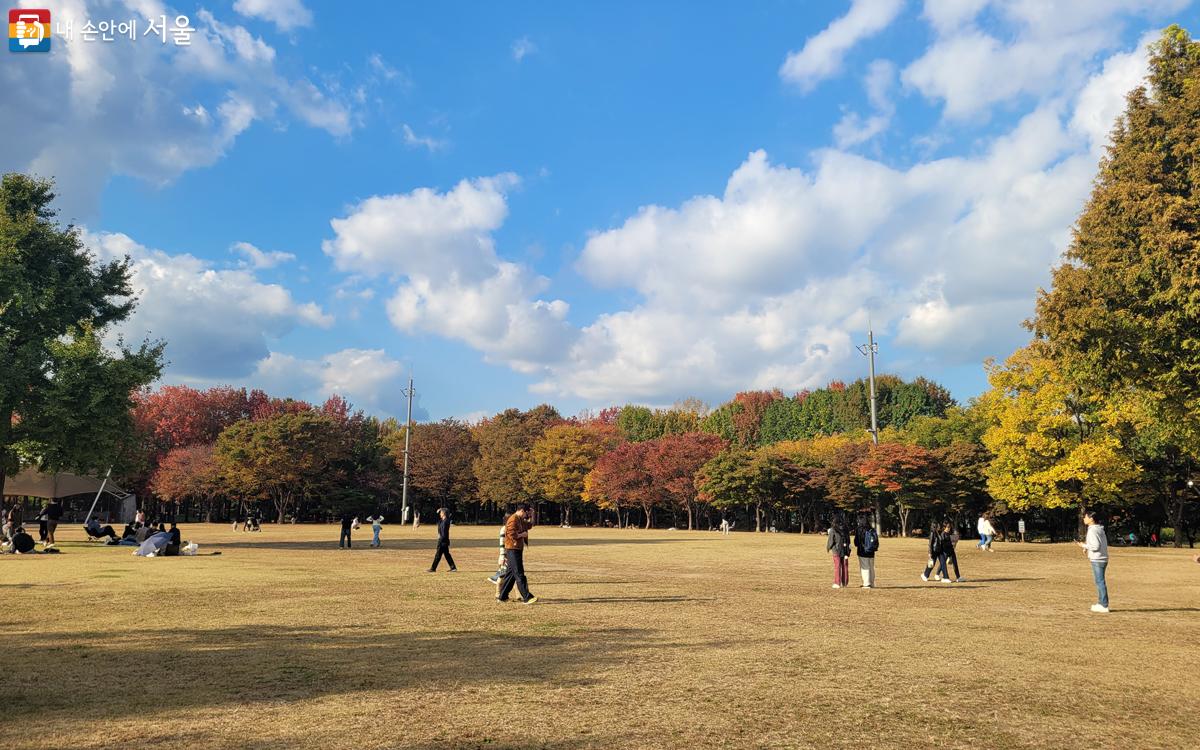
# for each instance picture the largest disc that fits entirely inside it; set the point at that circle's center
(903, 511)
(690, 514)
(1177, 515)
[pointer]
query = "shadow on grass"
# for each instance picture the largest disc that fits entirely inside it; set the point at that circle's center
(430, 544)
(624, 600)
(106, 676)
(1155, 609)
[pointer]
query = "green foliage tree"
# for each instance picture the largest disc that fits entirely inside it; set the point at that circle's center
(65, 401)
(737, 476)
(1123, 313)
(279, 459)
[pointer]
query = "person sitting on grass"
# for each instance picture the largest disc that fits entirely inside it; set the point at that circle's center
(22, 542)
(96, 531)
(174, 541)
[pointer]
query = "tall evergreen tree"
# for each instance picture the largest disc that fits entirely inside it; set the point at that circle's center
(1124, 310)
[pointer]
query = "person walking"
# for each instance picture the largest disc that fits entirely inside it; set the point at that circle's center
(376, 522)
(443, 545)
(502, 562)
(347, 527)
(1095, 545)
(516, 537)
(52, 513)
(987, 533)
(939, 540)
(866, 543)
(952, 537)
(838, 546)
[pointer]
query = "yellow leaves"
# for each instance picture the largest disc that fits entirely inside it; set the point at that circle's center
(1053, 447)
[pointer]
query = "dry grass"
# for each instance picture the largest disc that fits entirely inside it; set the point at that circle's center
(643, 639)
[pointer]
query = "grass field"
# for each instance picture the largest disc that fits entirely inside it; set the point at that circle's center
(643, 639)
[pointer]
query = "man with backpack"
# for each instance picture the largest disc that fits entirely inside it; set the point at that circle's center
(866, 542)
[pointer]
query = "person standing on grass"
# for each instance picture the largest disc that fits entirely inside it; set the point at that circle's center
(1096, 548)
(347, 528)
(376, 522)
(866, 543)
(443, 545)
(838, 546)
(516, 537)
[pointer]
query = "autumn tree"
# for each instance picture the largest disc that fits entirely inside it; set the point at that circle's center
(673, 461)
(504, 440)
(65, 399)
(440, 462)
(189, 473)
(1123, 311)
(1053, 444)
(557, 464)
(740, 477)
(910, 473)
(278, 459)
(620, 479)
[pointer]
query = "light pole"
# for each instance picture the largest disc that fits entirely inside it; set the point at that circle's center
(869, 350)
(407, 438)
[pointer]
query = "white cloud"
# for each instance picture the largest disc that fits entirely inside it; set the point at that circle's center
(1038, 49)
(853, 128)
(771, 282)
(368, 378)
(523, 48)
(429, 143)
(821, 56)
(145, 110)
(285, 14)
(261, 259)
(454, 283)
(216, 323)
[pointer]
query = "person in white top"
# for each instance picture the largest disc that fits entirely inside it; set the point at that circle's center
(1096, 547)
(987, 533)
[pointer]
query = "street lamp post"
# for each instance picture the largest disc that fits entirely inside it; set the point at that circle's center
(869, 350)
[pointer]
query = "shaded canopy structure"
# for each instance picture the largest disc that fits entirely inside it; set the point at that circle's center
(32, 483)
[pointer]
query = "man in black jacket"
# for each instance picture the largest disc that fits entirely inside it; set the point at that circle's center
(443, 547)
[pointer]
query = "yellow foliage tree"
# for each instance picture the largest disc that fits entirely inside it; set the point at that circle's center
(1052, 446)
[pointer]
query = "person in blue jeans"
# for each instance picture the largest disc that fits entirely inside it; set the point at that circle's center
(1096, 548)
(376, 522)
(347, 527)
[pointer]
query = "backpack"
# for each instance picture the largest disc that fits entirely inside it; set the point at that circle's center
(870, 540)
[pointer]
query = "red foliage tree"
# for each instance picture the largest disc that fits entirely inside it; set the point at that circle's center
(188, 473)
(621, 479)
(747, 421)
(912, 474)
(672, 462)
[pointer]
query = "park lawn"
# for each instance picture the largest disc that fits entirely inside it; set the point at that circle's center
(643, 639)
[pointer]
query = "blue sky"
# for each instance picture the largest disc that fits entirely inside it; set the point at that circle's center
(584, 203)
